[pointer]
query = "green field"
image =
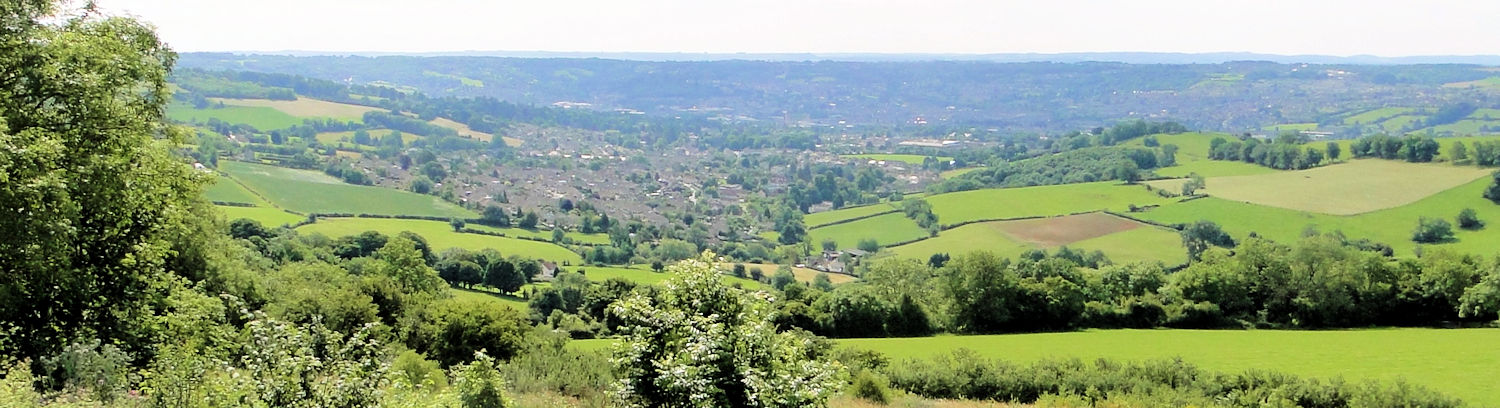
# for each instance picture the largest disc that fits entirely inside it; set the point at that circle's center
(1124, 241)
(1356, 187)
(486, 296)
(441, 236)
(1450, 361)
(595, 239)
(260, 117)
(884, 229)
(818, 219)
(957, 172)
(305, 108)
(1465, 127)
(1391, 226)
(1443, 142)
(227, 191)
(270, 217)
(314, 192)
(1192, 157)
(991, 204)
(1290, 127)
(1491, 83)
(1375, 116)
(904, 158)
(346, 137)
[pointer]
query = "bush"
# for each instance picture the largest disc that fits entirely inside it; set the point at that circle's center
(871, 387)
(1432, 230)
(1469, 220)
(479, 383)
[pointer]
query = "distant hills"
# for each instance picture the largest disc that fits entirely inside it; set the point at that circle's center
(1125, 57)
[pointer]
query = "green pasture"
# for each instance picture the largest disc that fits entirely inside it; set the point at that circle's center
(989, 204)
(270, 217)
(259, 117)
(227, 191)
(904, 158)
(1375, 115)
(347, 137)
(1192, 156)
(1448, 360)
(440, 236)
(1143, 244)
(817, 219)
(957, 172)
(1392, 226)
(1355, 187)
(884, 229)
(492, 297)
(314, 192)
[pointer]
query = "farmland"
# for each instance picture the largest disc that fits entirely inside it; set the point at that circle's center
(465, 131)
(270, 217)
(884, 229)
(313, 192)
(305, 108)
(1445, 360)
(227, 191)
(995, 204)
(1192, 157)
(347, 137)
(904, 158)
(1391, 226)
(1356, 187)
(1121, 239)
(441, 236)
(1375, 116)
(819, 219)
(803, 274)
(259, 117)
(596, 238)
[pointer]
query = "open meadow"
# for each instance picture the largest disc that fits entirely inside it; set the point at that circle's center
(309, 191)
(1121, 239)
(441, 236)
(260, 117)
(305, 108)
(884, 229)
(269, 217)
(465, 131)
(819, 219)
(1005, 203)
(1355, 187)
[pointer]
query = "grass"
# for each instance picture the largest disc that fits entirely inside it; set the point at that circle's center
(1465, 127)
(465, 131)
(1356, 187)
(441, 236)
(346, 138)
(466, 81)
(1490, 83)
(595, 239)
(1396, 124)
(306, 108)
(819, 219)
(270, 217)
(1290, 127)
(314, 192)
(884, 229)
(1192, 156)
(1392, 226)
(228, 191)
(1375, 116)
(492, 297)
(991, 204)
(1122, 240)
(957, 172)
(259, 117)
(915, 159)
(1444, 360)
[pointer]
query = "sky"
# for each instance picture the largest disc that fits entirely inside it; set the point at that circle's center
(1324, 27)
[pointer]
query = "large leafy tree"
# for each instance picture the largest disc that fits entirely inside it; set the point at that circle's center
(95, 207)
(701, 343)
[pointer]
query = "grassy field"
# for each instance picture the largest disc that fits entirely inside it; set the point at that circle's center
(228, 191)
(1444, 360)
(270, 217)
(314, 192)
(884, 229)
(259, 117)
(818, 219)
(486, 296)
(441, 236)
(1122, 240)
(803, 274)
(1443, 142)
(957, 172)
(1398, 123)
(1491, 83)
(1375, 116)
(347, 137)
(465, 131)
(904, 158)
(1392, 226)
(1192, 157)
(1466, 127)
(989, 204)
(306, 108)
(596, 239)
(1290, 127)
(1356, 187)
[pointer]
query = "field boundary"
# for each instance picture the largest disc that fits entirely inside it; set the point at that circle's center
(465, 230)
(849, 220)
(1145, 221)
(1029, 217)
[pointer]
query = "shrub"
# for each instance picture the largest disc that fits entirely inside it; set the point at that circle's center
(1469, 220)
(871, 387)
(479, 383)
(1432, 230)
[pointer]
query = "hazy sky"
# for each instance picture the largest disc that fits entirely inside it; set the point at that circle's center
(1332, 27)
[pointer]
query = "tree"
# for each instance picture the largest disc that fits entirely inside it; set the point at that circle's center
(558, 236)
(503, 275)
(1432, 230)
(479, 383)
(403, 262)
(451, 330)
(1469, 219)
(830, 245)
(1127, 172)
(822, 281)
(97, 208)
(1333, 150)
(783, 278)
(1199, 236)
(494, 216)
(529, 220)
(1493, 192)
(457, 224)
(421, 185)
(1458, 153)
(868, 245)
(700, 343)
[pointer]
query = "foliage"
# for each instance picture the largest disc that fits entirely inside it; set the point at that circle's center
(1074, 166)
(1412, 148)
(1493, 191)
(871, 387)
(1469, 219)
(1199, 236)
(450, 330)
(1432, 230)
(701, 343)
(480, 384)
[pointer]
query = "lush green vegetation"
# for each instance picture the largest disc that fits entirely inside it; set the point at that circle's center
(259, 117)
(885, 229)
(904, 158)
(265, 215)
(819, 219)
(227, 191)
(313, 192)
(1357, 187)
(992, 204)
(441, 235)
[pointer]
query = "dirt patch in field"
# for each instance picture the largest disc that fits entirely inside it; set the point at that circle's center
(1058, 231)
